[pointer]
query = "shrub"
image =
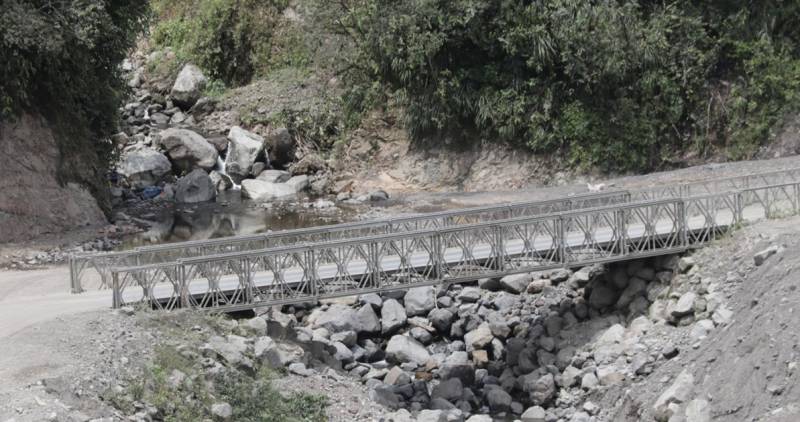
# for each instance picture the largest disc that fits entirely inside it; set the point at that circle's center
(60, 59)
(615, 84)
(231, 39)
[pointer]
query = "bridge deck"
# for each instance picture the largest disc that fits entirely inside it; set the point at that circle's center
(396, 261)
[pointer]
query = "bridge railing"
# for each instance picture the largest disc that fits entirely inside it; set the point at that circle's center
(102, 262)
(452, 254)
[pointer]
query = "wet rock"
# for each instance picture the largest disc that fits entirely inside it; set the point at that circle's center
(188, 87)
(258, 190)
(405, 349)
(243, 149)
(144, 167)
(221, 182)
(188, 150)
(195, 187)
(274, 176)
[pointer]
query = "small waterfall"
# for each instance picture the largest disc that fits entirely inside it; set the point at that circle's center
(221, 168)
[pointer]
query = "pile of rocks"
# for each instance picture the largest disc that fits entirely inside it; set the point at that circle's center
(165, 153)
(532, 346)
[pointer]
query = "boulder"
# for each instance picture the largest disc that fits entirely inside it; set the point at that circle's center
(281, 145)
(144, 167)
(541, 388)
(441, 320)
(195, 187)
(188, 87)
(449, 389)
(479, 337)
(685, 305)
(337, 318)
(677, 393)
(366, 320)
(405, 349)
(534, 414)
(221, 182)
(299, 183)
(516, 283)
(274, 176)
(393, 316)
(243, 149)
(602, 296)
(260, 191)
(188, 150)
(497, 399)
(419, 300)
(458, 365)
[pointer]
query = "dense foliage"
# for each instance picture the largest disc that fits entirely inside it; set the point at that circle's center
(620, 84)
(232, 40)
(61, 59)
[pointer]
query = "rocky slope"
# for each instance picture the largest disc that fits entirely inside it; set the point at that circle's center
(34, 201)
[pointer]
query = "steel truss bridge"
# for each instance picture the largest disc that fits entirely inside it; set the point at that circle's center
(303, 265)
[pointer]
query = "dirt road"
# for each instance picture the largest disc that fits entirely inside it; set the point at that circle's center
(29, 297)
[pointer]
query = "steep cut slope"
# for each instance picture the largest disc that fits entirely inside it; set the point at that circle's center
(33, 201)
(745, 370)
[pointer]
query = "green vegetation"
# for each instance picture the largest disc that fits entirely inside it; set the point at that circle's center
(615, 84)
(231, 39)
(60, 59)
(190, 397)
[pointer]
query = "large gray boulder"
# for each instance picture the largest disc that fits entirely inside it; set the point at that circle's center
(393, 316)
(243, 150)
(195, 187)
(259, 190)
(299, 183)
(405, 349)
(144, 167)
(274, 176)
(420, 300)
(188, 150)
(338, 318)
(188, 87)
